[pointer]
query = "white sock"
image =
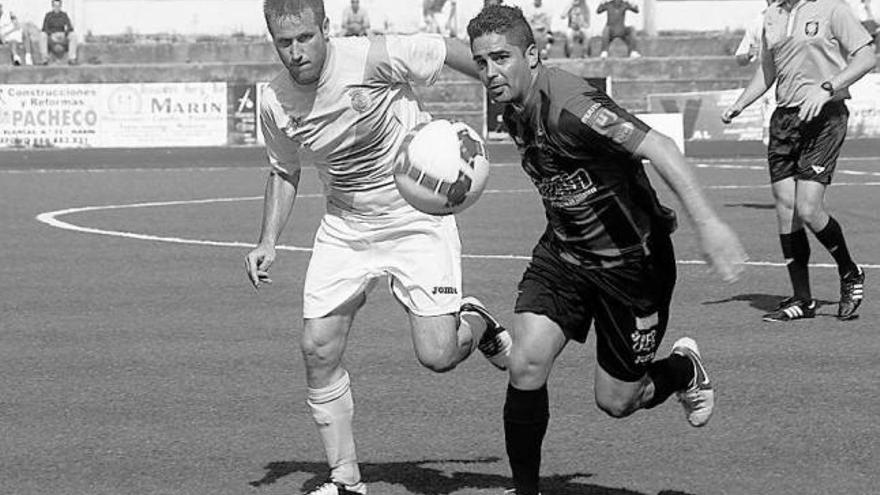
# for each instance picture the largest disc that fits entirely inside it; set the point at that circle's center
(333, 411)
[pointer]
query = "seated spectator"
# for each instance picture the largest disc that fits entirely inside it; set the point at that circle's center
(539, 20)
(577, 41)
(58, 35)
(355, 21)
(11, 34)
(750, 47)
(615, 26)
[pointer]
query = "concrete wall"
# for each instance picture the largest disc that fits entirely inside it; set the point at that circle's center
(111, 17)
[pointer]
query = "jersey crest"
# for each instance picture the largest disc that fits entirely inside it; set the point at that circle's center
(360, 99)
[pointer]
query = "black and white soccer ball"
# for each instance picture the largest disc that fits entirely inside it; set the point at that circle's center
(441, 167)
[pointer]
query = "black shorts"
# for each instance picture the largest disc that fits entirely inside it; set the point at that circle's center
(806, 151)
(629, 304)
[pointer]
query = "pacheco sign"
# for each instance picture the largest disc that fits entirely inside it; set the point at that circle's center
(113, 115)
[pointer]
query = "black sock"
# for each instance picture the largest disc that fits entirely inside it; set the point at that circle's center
(526, 414)
(796, 251)
(669, 375)
(832, 238)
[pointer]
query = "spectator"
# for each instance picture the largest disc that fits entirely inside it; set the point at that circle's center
(452, 21)
(576, 39)
(750, 47)
(432, 10)
(866, 15)
(11, 34)
(355, 21)
(615, 26)
(539, 20)
(57, 32)
(440, 16)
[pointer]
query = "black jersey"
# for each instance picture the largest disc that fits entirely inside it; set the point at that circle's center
(578, 148)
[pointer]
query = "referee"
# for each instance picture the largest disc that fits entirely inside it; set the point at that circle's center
(814, 50)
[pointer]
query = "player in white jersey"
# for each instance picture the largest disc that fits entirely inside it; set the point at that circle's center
(344, 106)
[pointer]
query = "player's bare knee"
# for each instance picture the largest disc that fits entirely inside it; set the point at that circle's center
(785, 205)
(438, 365)
(526, 373)
(617, 406)
(317, 360)
(810, 213)
(437, 360)
(320, 354)
(520, 368)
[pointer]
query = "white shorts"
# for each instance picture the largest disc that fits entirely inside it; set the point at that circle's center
(420, 253)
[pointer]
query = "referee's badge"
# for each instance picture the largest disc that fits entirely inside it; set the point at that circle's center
(360, 100)
(811, 28)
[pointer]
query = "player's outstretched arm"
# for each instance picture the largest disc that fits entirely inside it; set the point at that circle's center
(719, 244)
(459, 57)
(281, 190)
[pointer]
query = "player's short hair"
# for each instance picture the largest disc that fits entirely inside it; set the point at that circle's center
(505, 20)
(278, 9)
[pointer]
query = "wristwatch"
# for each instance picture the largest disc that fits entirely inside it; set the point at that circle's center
(827, 87)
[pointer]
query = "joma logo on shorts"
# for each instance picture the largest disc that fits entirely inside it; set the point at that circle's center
(444, 290)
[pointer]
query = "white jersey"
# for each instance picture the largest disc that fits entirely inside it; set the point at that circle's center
(350, 124)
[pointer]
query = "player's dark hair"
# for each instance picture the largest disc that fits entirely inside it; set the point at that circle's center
(505, 20)
(278, 9)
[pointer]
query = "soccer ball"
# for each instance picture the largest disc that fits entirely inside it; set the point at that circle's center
(441, 167)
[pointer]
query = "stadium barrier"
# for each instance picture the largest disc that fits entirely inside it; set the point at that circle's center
(215, 104)
(701, 112)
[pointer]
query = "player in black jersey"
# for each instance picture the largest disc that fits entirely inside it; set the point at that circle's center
(606, 257)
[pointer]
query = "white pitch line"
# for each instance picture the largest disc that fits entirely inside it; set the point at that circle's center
(51, 218)
(728, 166)
(237, 168)
(767, 186)
(763, 159)
(121, 169)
